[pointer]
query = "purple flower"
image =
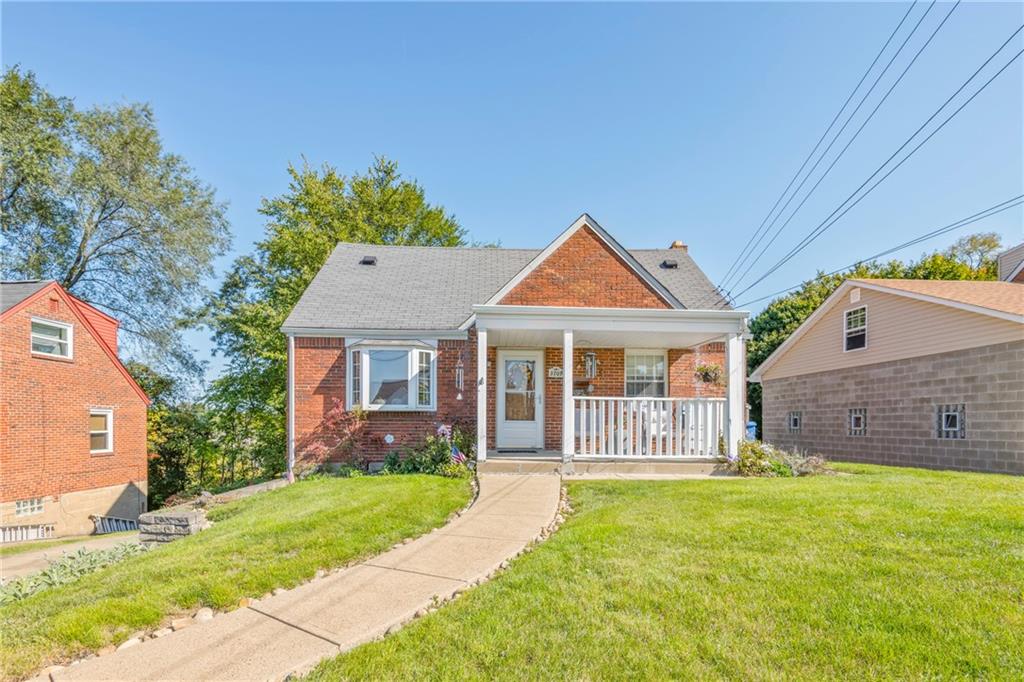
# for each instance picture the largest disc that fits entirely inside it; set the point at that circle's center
(444, 431)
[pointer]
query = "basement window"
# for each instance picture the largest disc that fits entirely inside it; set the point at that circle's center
(858, 425)
(951, 422)
(51, 338)
(392, 378)
(33, 505)
(795, 422)
(855, 329)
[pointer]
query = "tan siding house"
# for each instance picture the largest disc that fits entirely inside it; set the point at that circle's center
(905, 372)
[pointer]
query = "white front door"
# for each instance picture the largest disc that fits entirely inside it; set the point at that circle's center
(520, 417)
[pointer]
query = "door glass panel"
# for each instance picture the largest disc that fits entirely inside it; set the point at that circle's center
(520, 391)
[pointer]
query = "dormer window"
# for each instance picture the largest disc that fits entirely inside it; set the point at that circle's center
(52, 339)
(855, 331)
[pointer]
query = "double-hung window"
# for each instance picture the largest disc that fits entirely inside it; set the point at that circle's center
(392, 377)
(646, 374)
(52, 339)
(855, 329)
(101, 431)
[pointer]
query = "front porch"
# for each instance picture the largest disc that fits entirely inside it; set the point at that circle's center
(584, 386)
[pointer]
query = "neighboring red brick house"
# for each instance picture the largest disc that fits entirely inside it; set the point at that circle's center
(584, 349)
(72, 420)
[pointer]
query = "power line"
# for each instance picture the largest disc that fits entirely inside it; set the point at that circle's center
(850, 142)
(821, 139)
(833, 217)
(963, 222)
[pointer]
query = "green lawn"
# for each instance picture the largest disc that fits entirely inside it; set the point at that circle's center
(273, 539)
(34, 545)
(887, 573)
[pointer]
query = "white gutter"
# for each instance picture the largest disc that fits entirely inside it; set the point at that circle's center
(331, 332)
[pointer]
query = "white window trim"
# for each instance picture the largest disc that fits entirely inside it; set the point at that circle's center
(644, 351)
(109, 413)
(70, 328)
(846, 332)
(852, 413)
(413, 348)
(799, 421)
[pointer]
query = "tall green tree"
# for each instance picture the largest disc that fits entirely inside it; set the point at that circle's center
(320, 208)
(969, 258)
(90, 198)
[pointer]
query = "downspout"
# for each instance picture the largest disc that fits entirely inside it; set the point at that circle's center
(291, 408)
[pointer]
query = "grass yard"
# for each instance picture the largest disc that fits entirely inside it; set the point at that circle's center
(274, 539)
(886, 573)
(34, 545)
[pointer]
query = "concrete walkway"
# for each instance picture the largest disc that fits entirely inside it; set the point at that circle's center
(24, 563)
(291, 632)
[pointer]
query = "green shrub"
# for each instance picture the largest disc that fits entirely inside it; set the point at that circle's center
(761, 459)
(433, 455)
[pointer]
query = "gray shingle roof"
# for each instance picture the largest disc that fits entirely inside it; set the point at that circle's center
(434, 288)
(13, 293)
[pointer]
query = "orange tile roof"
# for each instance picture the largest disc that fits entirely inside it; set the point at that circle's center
(1005, 297)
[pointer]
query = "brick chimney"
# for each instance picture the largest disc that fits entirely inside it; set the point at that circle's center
(678, 245)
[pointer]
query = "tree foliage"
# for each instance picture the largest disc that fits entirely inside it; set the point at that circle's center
(91, 199)
(969, 258)
(320, 208)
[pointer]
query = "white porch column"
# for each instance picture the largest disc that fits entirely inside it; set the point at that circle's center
(481, 394)
(735, 377)
(568, 413)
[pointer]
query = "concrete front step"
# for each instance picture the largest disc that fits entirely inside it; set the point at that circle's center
(584, 467)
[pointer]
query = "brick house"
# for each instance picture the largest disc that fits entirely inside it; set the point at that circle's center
(582, 349)
(72, 420)
(905, 372)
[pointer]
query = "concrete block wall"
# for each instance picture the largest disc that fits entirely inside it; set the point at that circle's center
(902, 398)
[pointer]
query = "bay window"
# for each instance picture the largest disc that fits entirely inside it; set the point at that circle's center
(389, 377)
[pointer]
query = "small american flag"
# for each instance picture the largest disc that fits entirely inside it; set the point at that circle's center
(457, 455)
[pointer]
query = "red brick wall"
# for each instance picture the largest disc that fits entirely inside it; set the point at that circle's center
(327, 431)
(584, 272)
(44, 412)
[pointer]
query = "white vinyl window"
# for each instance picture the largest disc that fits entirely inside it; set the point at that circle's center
(33, 505)
(392, 378)
(646, 374)
(795, 421)
(50, 338)
(855, 329)
(101, 431)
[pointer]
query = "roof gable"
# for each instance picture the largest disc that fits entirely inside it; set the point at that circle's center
(953, 290)
(582, 264)
(78, 309)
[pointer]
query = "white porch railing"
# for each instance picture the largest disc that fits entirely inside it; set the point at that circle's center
(648, 427)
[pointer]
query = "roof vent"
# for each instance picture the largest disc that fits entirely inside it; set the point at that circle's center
(368, 260)
(670, 264)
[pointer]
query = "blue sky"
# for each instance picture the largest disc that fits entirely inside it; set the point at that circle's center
(663, 121)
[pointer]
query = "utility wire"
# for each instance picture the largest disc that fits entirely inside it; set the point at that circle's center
(963, 222)
(736, 263)
(833, 217)
(850, 142)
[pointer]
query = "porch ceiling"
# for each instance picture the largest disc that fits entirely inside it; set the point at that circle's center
(529, 326)
(546, 338)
